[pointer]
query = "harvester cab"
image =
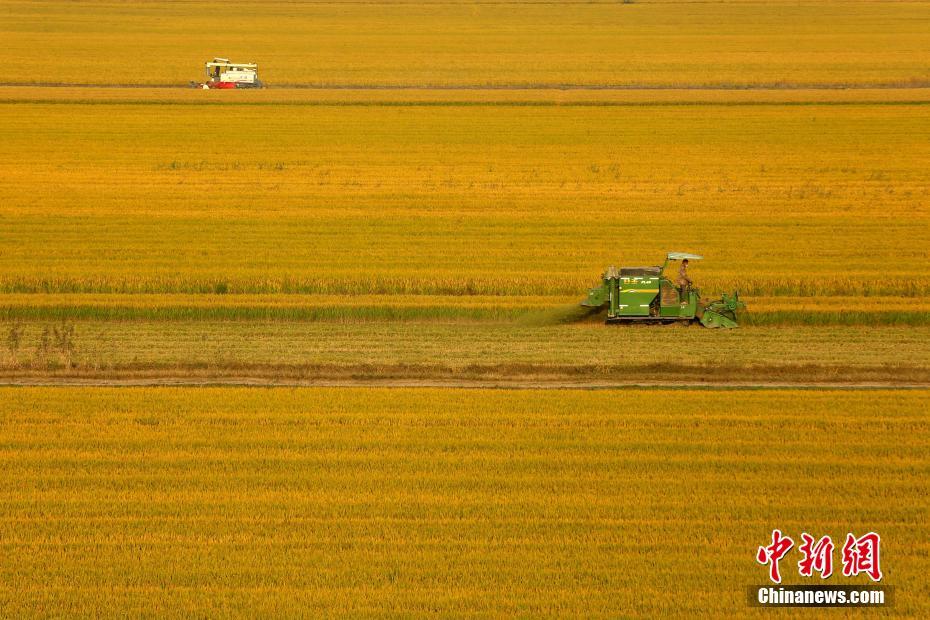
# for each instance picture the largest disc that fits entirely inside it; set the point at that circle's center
(221, 73)
(647, 295)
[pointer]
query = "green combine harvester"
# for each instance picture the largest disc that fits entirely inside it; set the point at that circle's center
(646, 295)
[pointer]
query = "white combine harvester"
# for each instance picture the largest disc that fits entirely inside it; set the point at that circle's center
(222, 73)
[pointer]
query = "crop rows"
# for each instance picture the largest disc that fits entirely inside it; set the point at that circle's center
(462, 200)
(476, 44)
(270, 98)
(519, 310)
(180, 502)
(447, 352)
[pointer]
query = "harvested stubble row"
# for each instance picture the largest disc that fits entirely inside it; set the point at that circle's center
(496, 352)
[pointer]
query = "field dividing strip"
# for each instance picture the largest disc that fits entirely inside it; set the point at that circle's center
(491, 385)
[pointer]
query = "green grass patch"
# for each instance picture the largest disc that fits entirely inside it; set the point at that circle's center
(525, 316)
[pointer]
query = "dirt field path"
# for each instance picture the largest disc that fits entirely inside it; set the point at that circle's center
(911, 84)
(472, 384)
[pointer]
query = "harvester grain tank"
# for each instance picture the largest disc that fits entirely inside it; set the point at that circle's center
(647, 295)
(221, 73)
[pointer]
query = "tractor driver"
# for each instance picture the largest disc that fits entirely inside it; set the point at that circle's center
(684, 282)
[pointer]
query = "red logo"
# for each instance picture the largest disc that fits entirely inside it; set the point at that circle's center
(772, 554)
(817, 556)
(860, 555)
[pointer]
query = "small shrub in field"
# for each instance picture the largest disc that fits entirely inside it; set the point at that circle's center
(64, 342)
(43, 348)
(14, 341)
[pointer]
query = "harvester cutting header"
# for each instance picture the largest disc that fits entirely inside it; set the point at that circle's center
(647, 295)
(221, 73)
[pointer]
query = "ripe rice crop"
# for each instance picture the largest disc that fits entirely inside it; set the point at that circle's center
(794, 200)
(521, 310)
(421, 198)
(280, 307)
(524, 44)
(471, 97)
(256, 502)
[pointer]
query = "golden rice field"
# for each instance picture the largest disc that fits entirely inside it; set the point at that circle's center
(467, 43)
(420, 198)
(784, 198)
(527, 310)
(256, 502)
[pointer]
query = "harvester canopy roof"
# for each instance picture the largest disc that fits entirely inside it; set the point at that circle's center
(683, 256)
(224, 62)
